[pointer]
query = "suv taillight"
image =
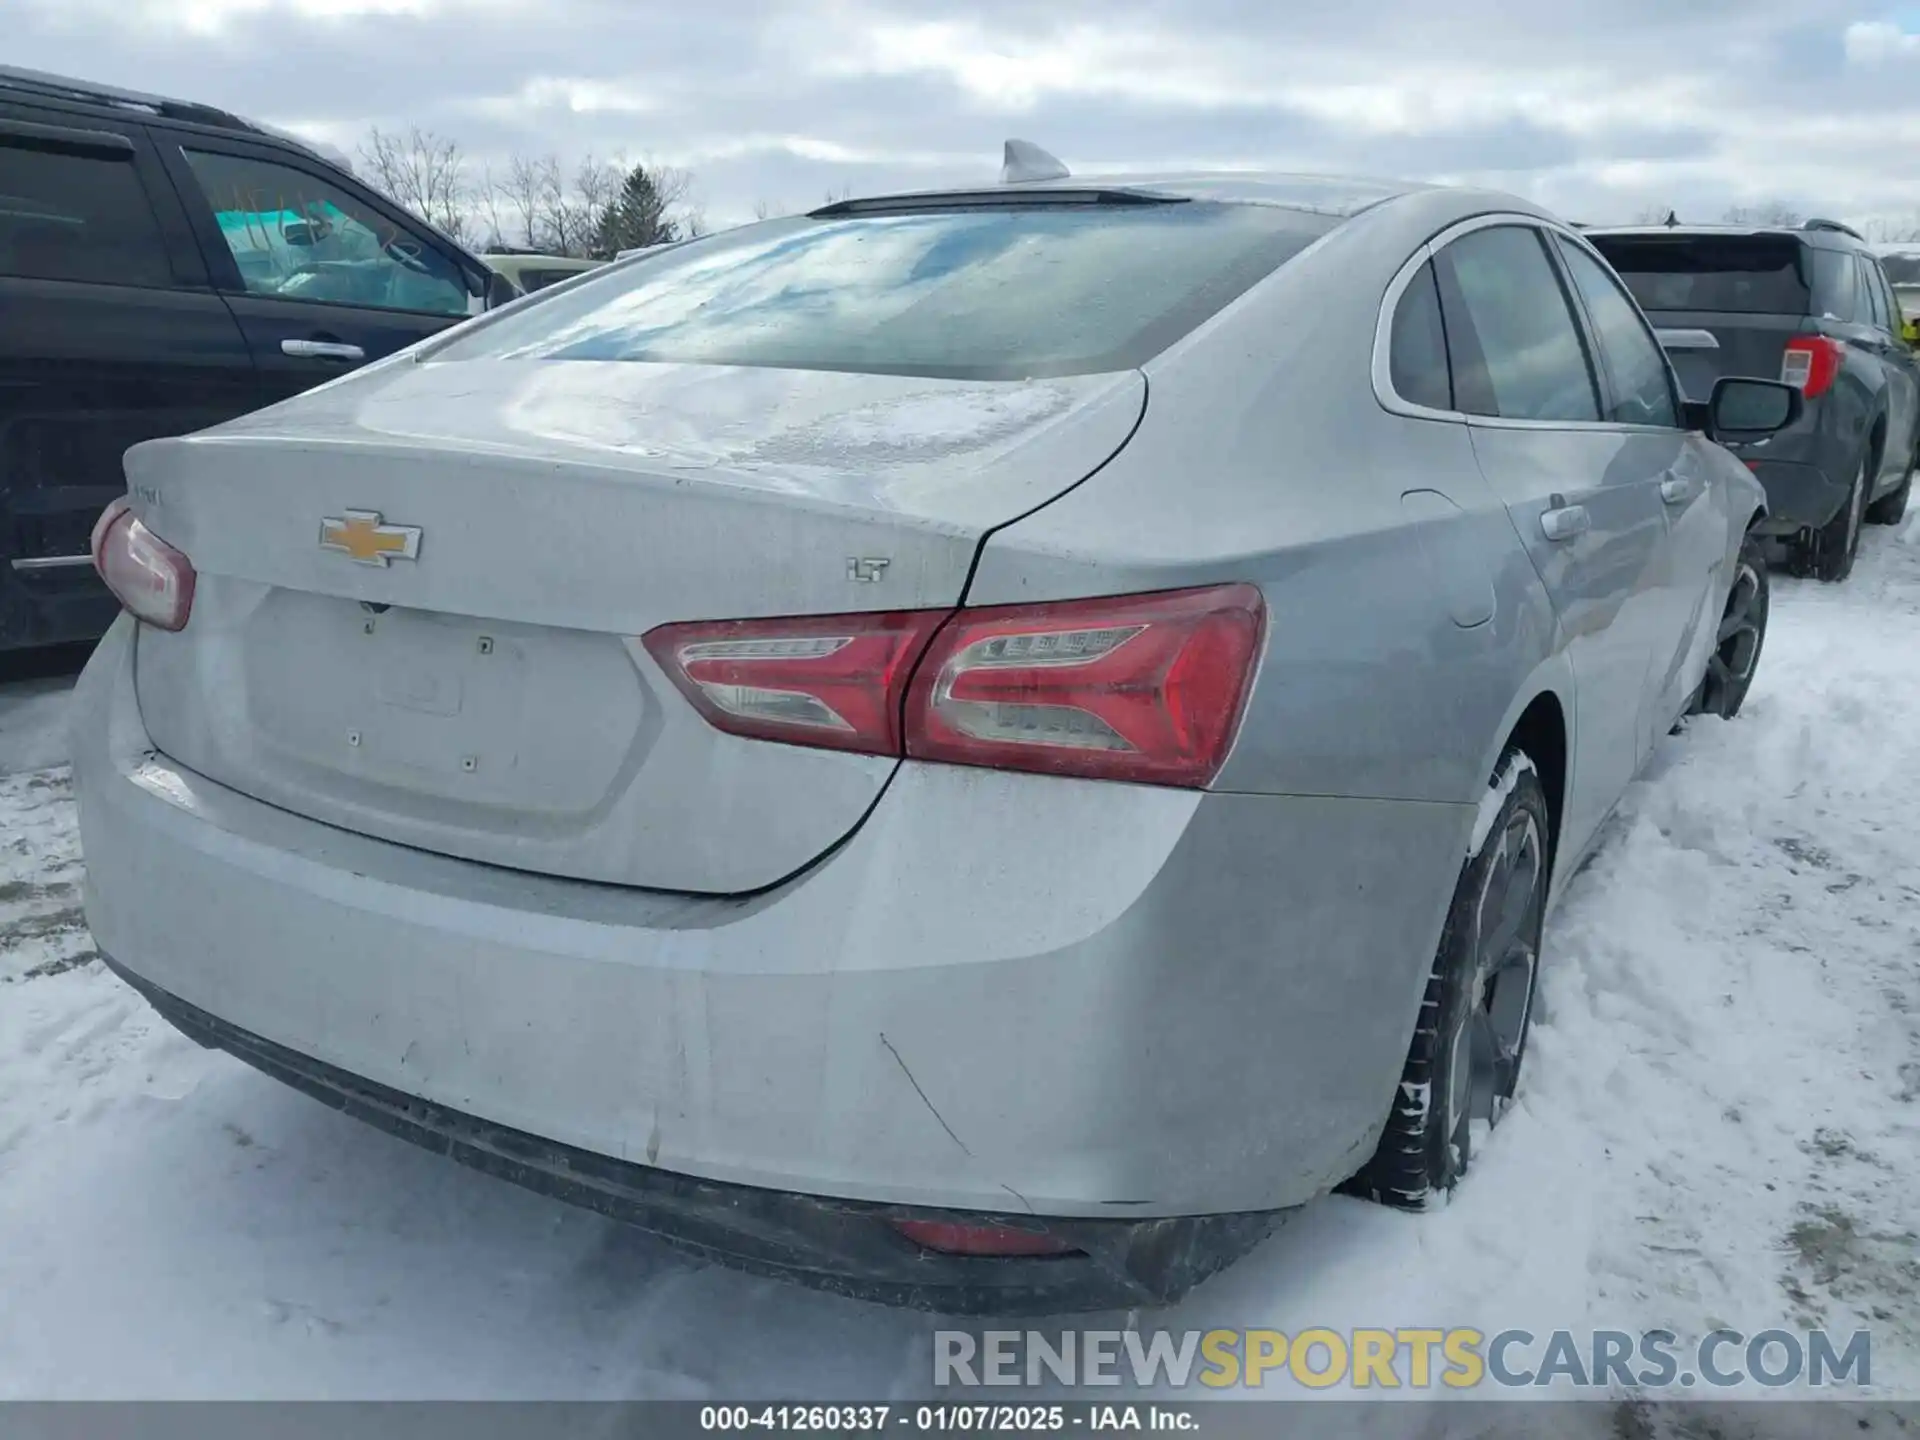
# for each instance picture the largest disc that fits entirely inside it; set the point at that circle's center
(149, 577)
(1812, 363)
(1136, 687)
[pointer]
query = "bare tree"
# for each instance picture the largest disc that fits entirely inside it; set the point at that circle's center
(423, 171)
(763, 209)
(522, 189)
(492, 195)
(533, 201)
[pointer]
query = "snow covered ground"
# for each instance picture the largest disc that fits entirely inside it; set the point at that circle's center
(1719, 1125)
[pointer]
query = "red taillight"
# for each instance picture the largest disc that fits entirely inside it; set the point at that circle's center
(1140, 687)
(1812, 363)
(998, 1240)
(149, 577)
(831, 680)
(1136, 687)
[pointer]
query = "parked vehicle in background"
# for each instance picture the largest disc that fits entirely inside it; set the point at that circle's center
(781, 741)
(1813, 306)
(530, 271)
(165, 266)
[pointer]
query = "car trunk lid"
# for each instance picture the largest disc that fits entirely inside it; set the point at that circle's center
(420, 592)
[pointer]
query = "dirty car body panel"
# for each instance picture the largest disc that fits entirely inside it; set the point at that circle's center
(1147, 1015)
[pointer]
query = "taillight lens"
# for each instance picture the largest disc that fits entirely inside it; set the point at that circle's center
(1136, 687)
(149, 577)
(1142, 687)
(995, 1240)
(830, 680)
(1811, 363)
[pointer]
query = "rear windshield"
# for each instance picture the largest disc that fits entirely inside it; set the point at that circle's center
(1741, 274)
(984, 293)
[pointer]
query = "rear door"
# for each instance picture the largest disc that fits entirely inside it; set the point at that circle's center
(1639, 396)
(109, 335)
(321, 275)
(1582, 491)
(1885, 341)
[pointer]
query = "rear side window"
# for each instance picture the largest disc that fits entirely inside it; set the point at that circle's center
(1418, 347)
(987, 292)
(1836, 285)
(74, 215)
(1873, 310)
(1888, 305)
(1515, 347)
(1733, 274)
(1635, 364)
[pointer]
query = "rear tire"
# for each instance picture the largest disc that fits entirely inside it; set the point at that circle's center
(1472, 1032)
(1890, 508)
(1743, 631)
(1831, 548)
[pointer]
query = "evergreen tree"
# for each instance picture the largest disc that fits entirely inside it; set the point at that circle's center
(636, 217)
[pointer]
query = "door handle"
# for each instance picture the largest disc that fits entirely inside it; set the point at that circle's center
(1563, 522)
(321, 350)
(1676, 491)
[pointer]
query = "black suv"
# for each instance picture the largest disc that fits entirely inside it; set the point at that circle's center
(165, 266)
(1813, 306)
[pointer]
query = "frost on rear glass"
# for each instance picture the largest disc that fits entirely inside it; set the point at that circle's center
(1000, 293)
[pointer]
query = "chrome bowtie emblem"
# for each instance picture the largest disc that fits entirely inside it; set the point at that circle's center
(360, 535)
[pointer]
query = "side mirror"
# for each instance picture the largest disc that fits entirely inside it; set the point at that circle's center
(1744, 408)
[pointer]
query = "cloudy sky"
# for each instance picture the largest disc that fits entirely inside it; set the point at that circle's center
(1597, 109)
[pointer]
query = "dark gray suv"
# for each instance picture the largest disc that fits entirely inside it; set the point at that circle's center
(1813, 306)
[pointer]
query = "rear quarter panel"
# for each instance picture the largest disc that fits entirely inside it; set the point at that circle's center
(1265, 456)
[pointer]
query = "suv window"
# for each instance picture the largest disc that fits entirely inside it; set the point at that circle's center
(1872, 309)
(1836, 285)
(1738, 274)
(296, 237)
(980, 291)
(1515, 346)
(1635, 364)
(1886, 308)
(77, 215)
(1417, 353)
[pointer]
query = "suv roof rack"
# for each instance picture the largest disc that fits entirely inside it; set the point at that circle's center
(62, 87)
(1819, 224)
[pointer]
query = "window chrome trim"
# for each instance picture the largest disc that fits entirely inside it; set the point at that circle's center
(1392, 402)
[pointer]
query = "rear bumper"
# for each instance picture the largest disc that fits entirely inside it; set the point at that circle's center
(1799, 496)
(1059, 998)
(1805, 472)
(838, 1245)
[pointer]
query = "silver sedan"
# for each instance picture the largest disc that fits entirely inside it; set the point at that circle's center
(969, 748)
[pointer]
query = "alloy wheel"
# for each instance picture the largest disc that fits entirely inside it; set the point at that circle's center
(1485, 1061)
(1737, 646)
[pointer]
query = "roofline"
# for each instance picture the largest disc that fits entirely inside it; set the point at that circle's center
(46, 85)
